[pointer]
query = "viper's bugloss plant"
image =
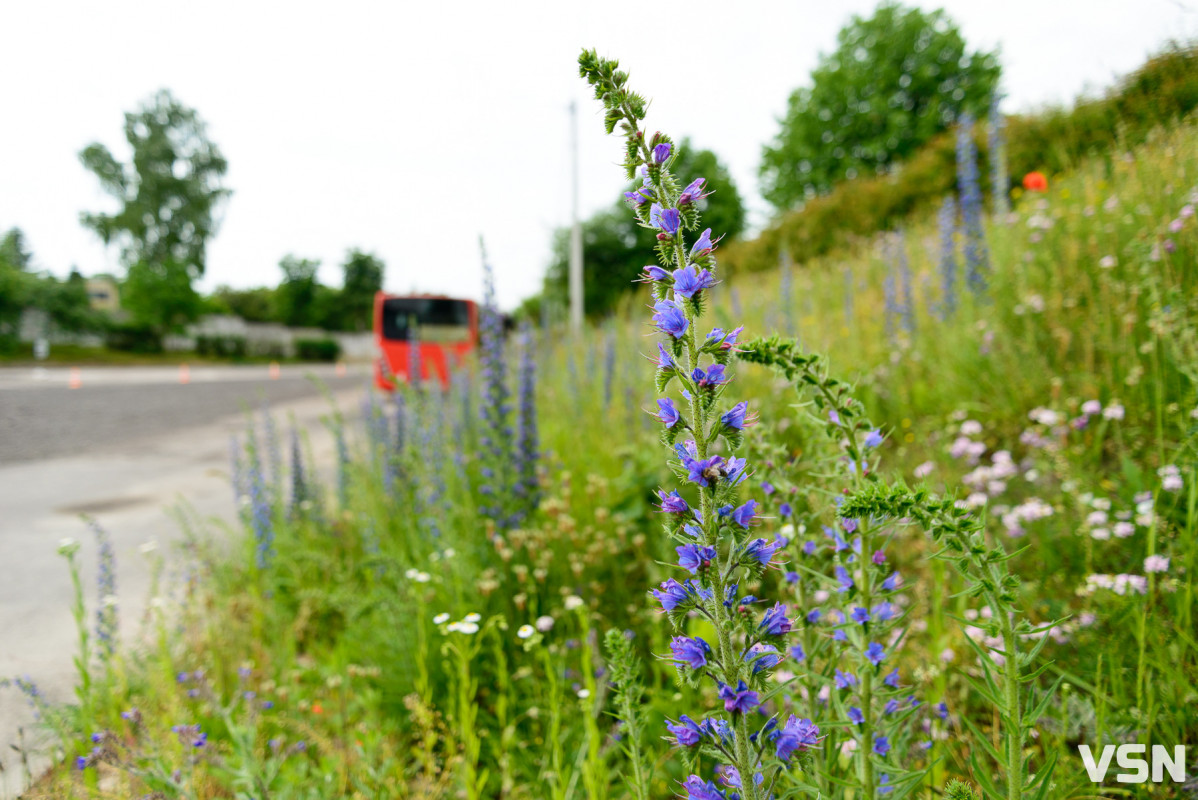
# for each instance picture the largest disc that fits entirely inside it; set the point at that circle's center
(106, 600)
(1008, 668)
(977, 258)
(946, 221)
(754, 743)
(526, 490)
(300, 491)
(260, 514)
(901, 266)
(997, 144)
(496, 439)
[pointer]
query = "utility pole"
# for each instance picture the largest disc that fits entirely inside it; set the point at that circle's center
(575, 233)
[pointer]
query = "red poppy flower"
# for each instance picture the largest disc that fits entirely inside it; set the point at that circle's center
(1035, 182)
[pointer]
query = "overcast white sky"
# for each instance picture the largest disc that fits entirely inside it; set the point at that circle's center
(410, 128)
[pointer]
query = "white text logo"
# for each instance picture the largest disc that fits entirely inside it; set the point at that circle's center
(1135, 769)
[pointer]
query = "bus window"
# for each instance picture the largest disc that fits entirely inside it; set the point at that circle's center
(436, 319)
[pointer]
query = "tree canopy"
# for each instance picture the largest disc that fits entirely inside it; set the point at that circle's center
(894, 81)
(296, 296)
(169, 195)
(363, 277)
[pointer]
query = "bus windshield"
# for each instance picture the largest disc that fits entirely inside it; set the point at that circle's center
(434, 319)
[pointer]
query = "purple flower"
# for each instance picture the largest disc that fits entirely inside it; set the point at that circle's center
(845, 680)
(666, 412)
(735, 418)
(879, 557)
(846, 580)
(672, 503)
(671, 594)
(670, 318)
(689, 281)
(850, 525)
(855, 715)
(664, 359)
(798, 654)
(692, 652)
(891, 707)
(725, 341)
(699, 789)
(942, 711)
(734, 471)
(667, 220)
(873, 438)
(774, 622)
(763, 656)
(702, 245)
(739, 700)
(881, 745)
(704, 471)
(792, 577)
(875, 653)
(809, 547)
(713, 377)
(743, 515)
(784, 510)
(657, 273)
(693, 192)
(884, 611)
(892, 582)
(661, 152)
(892, 680)
(687, 733)
(859, 615)
(693, 557)
(813, 616)
(761, 551)
(638, 197)
(796, 734)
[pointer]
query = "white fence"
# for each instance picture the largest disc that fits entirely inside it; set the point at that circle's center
(268, 338)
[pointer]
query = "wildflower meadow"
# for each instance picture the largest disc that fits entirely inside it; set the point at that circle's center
(913, 517)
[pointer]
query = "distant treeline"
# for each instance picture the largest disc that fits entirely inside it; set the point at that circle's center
(1163, 90)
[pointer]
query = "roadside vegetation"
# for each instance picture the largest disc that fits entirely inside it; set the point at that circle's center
(977, 511)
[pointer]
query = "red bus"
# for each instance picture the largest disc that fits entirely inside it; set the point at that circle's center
(445, 330)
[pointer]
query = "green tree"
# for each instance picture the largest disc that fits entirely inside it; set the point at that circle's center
(169, 195)
(363, 277)
(296, 296)
(895, 81)
(14, 286)
(14, 251)
(65, 302)
(252, 305)
(614, 246)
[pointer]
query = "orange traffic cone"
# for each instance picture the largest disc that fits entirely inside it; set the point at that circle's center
(274, 370)
(184, 373)
(76, 379)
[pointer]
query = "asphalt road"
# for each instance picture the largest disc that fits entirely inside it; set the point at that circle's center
(128, 448)
(41, 417)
